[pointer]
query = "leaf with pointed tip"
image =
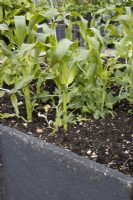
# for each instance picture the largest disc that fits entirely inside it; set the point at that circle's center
(21, 82)
(15, 103)
(27, 48)
(97, 33)
(4, 27)
(20, 29)
(5, 48)
(51, 13)
(60, 50)
(35, 20)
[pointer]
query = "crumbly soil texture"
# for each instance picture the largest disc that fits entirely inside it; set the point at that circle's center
(107, 141)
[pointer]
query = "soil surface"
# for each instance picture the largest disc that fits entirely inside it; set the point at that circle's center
(107, 141)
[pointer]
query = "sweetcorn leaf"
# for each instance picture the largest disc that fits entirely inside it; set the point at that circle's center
(83, 24)
(69, 69)
(5, 48)
(60, 50)
(27, 48)
(35, 20)
(41, 37)
(21, 82)
(46, 29)
(81, 55)
(20, 29)
(93, 43)
(51, 13)
(91, 72)
(71, 75)
(4, 27)
(15, 103)
(97, 33)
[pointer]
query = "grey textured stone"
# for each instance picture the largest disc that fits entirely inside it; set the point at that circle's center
(1, 177)
(36, 170)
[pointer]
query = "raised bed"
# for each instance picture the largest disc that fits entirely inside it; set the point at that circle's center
(35, 170)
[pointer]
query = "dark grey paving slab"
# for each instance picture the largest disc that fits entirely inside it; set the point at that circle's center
(36, 170)
(1, 176)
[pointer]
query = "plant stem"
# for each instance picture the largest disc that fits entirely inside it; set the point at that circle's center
(103, 96)
(65, 109)
(28, 103)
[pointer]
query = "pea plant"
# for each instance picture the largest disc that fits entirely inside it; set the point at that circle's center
(124, 48)
(103, 18)
(94, 76)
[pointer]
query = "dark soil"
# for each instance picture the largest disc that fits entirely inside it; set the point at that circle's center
(107, 141)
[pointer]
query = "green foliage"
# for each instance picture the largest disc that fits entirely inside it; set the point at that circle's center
(77, 6)
(110, 19)
(83, 79)
(124, 49)
(21, 64)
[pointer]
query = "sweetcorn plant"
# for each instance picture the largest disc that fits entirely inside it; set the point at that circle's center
(21, 65)
(75, 71)
(18, 68)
